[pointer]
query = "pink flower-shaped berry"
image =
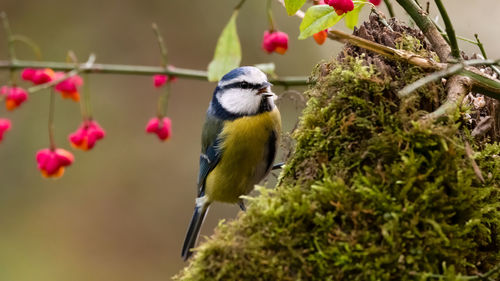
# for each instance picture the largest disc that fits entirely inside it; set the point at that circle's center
(341, 6)
(375, 2)
(14, 96)
(162, 128)
(4, 127)
(37, 76)
(51, 163)
(69, 87)
(275, 41)
(160, 80)
(87, 135)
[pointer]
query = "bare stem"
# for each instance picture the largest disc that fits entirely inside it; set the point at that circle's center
(481, 47)
(8, 33)
(10, 45)
(483, 52)
(137, 70)
(388, 4)
(270, 18)
(30, 43)
(450, 31)
(239, 5)
(51, 120)
(163, 102)
(86, 97)
(161, 44)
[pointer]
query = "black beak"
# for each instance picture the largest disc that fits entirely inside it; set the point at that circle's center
(264, 89)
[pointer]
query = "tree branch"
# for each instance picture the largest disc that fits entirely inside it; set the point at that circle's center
(137, 70)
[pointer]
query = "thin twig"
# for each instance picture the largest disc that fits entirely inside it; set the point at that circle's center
(450, 31)
(483, 52)
(161, 45)
(481, 47)
(381, 18)
(138, 70)
(407, 90)
(8, 33)
(388, 4)
(451, 70)
(28, 41)
(475, 167)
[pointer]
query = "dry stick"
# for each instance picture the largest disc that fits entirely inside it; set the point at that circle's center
(456, 87)
(402, 55)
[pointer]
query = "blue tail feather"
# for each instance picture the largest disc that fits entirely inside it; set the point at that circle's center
(194, 229)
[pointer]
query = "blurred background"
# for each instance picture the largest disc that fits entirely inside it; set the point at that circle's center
(121, 210)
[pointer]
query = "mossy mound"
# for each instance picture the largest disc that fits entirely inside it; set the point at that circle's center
(370, 193)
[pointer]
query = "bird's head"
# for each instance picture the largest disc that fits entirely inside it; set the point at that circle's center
(243, 91)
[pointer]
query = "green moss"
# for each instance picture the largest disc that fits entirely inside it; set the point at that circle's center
(368, 194)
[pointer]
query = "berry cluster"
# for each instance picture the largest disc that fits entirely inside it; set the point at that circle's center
(52, 161)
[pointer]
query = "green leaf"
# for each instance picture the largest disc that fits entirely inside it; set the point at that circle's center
(292, 6)
(317, 18)
(227, 52)
(351, 18)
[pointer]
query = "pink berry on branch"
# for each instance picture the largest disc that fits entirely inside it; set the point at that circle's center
(341, 6)
(161, 127)
(69, 87)
(86, 136)
(275, 41)
(38, 76)
(52, 163)
(4, 127)
(14, 96)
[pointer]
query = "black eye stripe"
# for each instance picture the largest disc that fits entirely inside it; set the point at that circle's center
(241, 85)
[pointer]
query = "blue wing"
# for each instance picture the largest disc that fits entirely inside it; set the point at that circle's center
(211, 151)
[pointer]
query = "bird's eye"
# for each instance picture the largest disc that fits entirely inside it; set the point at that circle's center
(244, 85)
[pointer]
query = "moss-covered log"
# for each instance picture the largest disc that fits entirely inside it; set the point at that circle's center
(372, 191)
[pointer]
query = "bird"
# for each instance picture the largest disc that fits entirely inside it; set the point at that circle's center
(240, 138)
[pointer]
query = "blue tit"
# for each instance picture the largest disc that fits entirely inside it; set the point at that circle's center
(239, 142)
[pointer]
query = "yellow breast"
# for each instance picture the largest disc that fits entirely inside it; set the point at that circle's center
(245, 148)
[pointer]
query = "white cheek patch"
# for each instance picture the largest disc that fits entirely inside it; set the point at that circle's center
(240, 101)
